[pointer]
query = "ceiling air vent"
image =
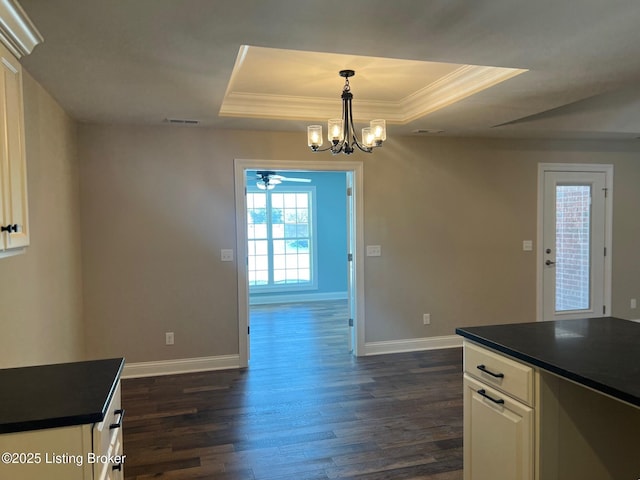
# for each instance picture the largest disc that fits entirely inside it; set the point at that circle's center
(181, 121)
(426, 131)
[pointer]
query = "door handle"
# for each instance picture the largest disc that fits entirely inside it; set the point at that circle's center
(548, 263)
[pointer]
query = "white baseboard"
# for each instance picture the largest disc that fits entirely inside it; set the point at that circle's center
(412, 345)
(182, 365)
(225, 362)
(295, 298)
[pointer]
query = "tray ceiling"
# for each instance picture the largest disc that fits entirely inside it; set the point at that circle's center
(292, 84)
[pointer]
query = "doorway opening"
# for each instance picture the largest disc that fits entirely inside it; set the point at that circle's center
(289, 258)
(574, 241)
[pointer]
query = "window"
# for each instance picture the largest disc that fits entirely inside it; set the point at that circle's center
(573, 247)
(280, 232)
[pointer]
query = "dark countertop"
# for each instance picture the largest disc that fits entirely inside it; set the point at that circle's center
(59, 395)
(600, 353)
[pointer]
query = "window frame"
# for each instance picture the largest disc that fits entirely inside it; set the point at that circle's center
(313, 247)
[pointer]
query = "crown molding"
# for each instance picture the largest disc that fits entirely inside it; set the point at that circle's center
(459, 84)
(17, 32)
(288, 107)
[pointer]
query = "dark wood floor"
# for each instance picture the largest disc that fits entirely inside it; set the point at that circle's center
(305, 409)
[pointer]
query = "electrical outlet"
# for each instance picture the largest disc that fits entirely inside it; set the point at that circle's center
(426, 319)
(169, 339)
(226, 255)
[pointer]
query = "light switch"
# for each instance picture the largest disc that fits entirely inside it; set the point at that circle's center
(527, 245)
(226, 255)
(374, 250)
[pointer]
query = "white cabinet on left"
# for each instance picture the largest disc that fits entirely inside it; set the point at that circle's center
(14, 225)
(62, 421)
(91, 451)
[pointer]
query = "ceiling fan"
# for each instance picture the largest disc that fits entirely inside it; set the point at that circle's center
(267, 179)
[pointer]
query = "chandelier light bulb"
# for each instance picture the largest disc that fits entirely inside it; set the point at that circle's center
(336, 130)
(368, 138)
(314, 136)
(379, 129)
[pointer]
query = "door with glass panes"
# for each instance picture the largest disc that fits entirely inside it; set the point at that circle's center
(573, 244)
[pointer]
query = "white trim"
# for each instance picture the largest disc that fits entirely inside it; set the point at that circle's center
(295, 298)
(12, 252)
(17, 32)
(607, 169)
(240, 166)
(181, 365)
(228, 362)
(260, 105)
(459, 84)
(464, 81)
(413, 344)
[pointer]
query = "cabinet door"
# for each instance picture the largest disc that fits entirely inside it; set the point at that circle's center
(498, 435)
(48, 454)
(13, 196)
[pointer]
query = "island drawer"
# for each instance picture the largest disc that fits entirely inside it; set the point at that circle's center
(107, 438)
(511, 377)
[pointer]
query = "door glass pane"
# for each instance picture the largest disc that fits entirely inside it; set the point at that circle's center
(573, 239)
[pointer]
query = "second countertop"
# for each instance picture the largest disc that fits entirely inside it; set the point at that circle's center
(59, 395)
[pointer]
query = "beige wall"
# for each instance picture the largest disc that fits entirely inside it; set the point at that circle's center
(40, 291)
(158, 205)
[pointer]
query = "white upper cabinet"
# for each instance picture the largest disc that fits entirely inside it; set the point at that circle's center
(14, 224)
(18, 37)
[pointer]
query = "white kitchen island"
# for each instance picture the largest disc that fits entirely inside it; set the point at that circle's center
(552, 400)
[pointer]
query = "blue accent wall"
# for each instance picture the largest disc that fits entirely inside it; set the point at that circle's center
(331, 233)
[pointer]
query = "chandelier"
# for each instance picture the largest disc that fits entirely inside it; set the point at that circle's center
(342, 134)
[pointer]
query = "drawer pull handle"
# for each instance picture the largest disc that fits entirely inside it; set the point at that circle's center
(117, 467)
(482, 368)
(483, 393)
(119, 422)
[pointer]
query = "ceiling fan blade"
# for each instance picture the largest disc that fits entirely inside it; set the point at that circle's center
(268, 176)
(291, 179)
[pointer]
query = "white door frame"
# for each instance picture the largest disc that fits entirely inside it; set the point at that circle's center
(240, 166)
(574, 167)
